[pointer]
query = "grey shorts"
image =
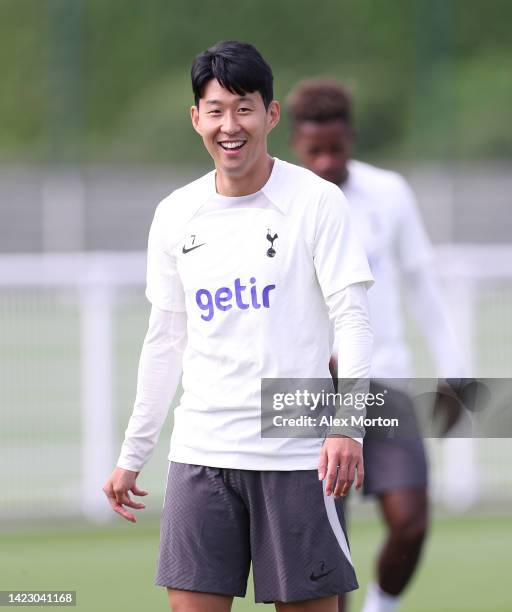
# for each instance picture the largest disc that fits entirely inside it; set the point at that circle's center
(216, 521)
(393, 464)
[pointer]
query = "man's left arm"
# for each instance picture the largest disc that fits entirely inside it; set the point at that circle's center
(344, 276)
(341, 456)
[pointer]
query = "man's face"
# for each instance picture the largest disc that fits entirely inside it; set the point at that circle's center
(324, 148)
(234, 128)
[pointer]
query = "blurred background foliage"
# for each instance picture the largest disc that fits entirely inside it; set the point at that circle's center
(91, 81)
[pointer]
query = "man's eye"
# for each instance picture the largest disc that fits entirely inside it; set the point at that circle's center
(244, 110)
(214, 112)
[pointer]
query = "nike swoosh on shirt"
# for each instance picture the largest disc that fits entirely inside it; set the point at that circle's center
(318, 576)
(185, 250)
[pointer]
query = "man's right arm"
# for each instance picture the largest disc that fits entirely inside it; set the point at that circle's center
(159, 374)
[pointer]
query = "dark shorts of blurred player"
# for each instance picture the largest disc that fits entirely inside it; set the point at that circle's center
(394, 459)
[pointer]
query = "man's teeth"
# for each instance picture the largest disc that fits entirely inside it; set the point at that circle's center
(232, 145)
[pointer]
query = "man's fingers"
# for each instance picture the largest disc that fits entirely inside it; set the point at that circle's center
(119, 498)
(342, 481)
(117, 489)
(117, 507)
(131, 503)
(118, 504)
(339, 460)
(360, 474)
(330, 478)
(322, 464)
(124, 513)
(349, 480)
(332, 472)
(124, 499)
(140, 492)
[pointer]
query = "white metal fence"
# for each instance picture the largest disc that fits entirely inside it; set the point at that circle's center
(71, 327)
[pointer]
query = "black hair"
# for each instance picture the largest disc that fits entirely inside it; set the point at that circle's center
(239, 67)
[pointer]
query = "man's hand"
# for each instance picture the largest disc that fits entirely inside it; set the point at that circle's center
(341, 456)
(116, 489)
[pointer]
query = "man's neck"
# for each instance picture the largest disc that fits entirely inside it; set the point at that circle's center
(231, 186)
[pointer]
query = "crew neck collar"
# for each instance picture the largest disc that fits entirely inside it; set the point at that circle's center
(266, 188)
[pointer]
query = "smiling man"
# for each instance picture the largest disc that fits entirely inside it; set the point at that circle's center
(246, 266)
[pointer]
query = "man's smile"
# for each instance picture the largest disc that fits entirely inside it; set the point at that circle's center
(232, 145)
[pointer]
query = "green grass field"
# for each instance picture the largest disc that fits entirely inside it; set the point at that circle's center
(466, 566)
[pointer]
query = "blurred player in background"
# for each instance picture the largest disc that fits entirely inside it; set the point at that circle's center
(230, 258)
(399, 252)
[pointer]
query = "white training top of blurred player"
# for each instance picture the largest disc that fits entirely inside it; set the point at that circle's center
(386, 217)
(253, 274)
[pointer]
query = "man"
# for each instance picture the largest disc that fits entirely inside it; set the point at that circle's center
(245, 267)
(387, 220)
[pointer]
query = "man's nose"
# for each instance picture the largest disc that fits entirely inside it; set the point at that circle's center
(230, 124)
(326, 162)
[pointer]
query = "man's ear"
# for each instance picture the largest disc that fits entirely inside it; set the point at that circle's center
(194, 116)
(273, 114)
